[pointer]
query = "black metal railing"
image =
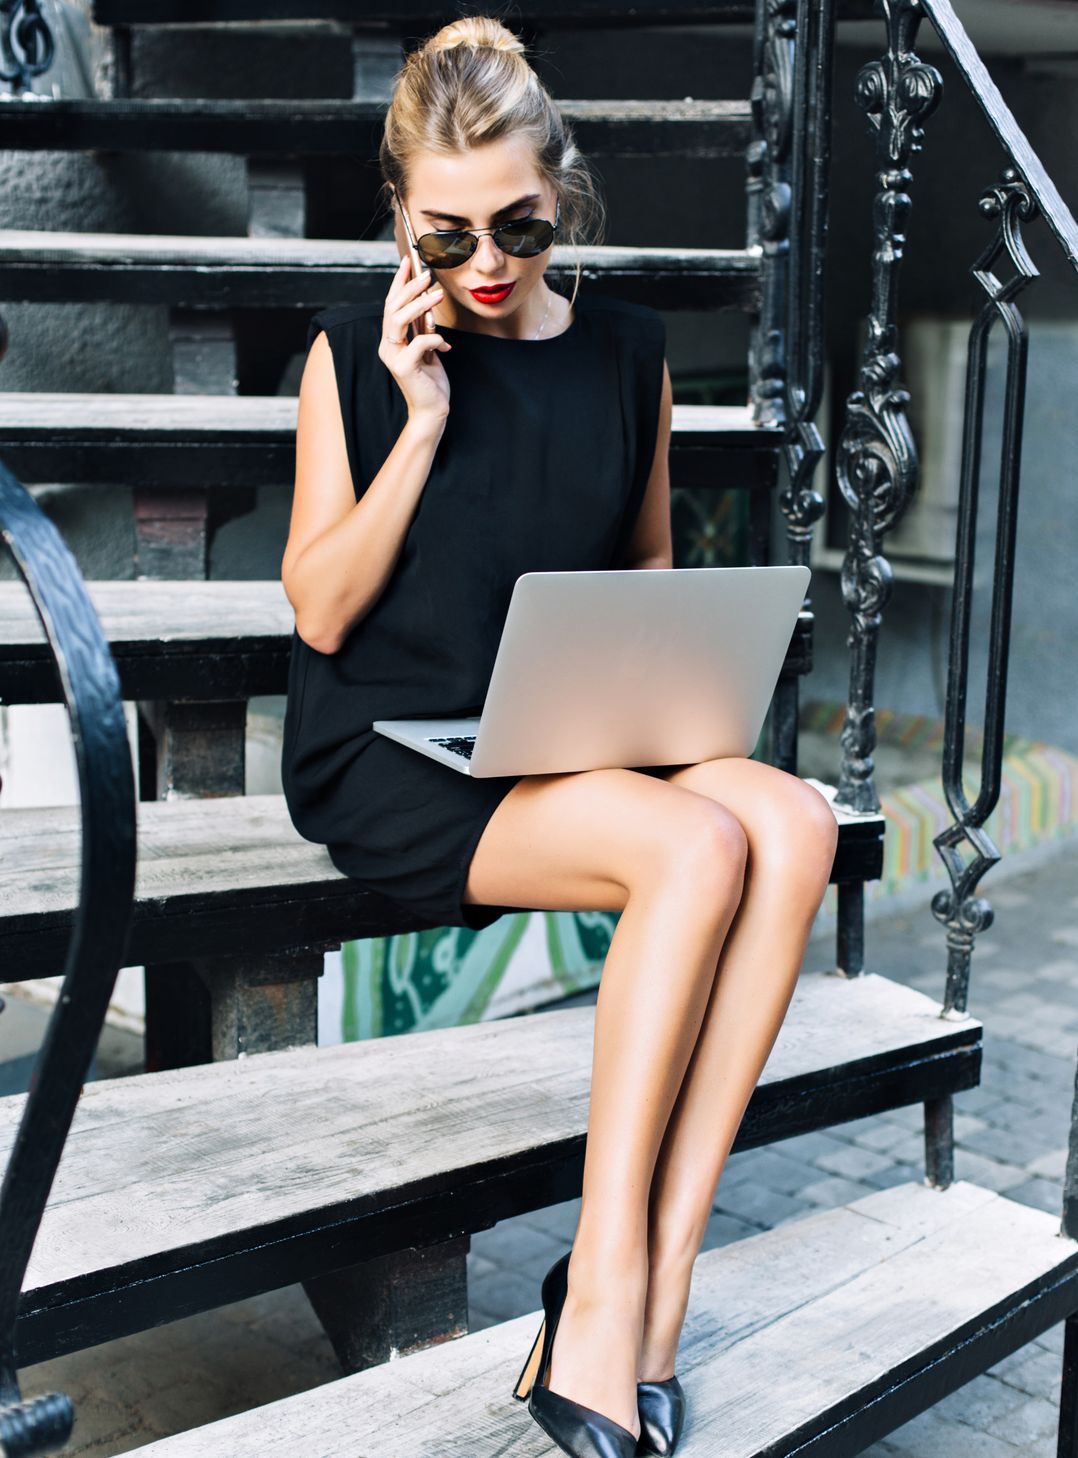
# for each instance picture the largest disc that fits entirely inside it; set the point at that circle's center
(877, 471)
(91, 692)
(27, 47)
(788, 178)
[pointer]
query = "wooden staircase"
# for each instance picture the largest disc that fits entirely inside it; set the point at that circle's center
(225, 1170)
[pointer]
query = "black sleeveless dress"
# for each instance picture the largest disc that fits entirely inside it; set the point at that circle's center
(542, 466)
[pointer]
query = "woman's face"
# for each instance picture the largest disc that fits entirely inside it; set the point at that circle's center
(481, 188)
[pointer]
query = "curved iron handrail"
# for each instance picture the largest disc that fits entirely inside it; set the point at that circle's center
(91, 691)
(1010, 135)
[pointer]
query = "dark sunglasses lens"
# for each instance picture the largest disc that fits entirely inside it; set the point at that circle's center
(526, 238)
(446, 250)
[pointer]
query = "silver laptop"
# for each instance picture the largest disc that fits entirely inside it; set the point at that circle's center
(624, 668)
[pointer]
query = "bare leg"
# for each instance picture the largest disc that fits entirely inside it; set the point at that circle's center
(792, 834)
(676, 861)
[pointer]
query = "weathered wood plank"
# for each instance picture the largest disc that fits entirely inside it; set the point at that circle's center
(392, 1142)
(838, 1323)
(164, 442)
(271, 889)
(309, 128)
(202, 641)
(232, 272)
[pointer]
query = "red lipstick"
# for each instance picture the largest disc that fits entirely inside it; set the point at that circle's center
(492, 295)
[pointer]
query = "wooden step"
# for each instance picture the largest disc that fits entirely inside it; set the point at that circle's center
(229, 875)
(422, 13)
(816, 1338)
(640, 129)
(233, 272)
(191, 640)
(228, 441)
(181, 1191)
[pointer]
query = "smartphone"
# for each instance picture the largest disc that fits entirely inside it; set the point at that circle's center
(422, 323)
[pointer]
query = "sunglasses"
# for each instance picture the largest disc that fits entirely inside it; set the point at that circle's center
(450, 247)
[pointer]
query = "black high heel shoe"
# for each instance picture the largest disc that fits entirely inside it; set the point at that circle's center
(662, 1415)
(578, 1430)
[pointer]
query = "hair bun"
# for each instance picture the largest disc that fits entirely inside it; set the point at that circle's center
(479, 31)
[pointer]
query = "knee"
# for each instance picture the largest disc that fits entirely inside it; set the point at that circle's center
(807, 839)
(705, 846)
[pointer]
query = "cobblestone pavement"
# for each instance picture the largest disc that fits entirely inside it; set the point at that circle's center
(1011, 1136)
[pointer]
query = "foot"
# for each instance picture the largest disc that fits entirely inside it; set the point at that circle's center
(667, 1301)
(594, 1357)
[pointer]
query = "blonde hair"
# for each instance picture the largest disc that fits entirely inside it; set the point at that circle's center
(470, 83)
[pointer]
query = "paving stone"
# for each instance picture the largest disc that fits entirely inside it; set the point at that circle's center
(771, 1167)
(1033, 1422)
(1038, 1374)
(513, 1241)
(505, 1293)
(756, 1205)
(1040, 1193)
(1051, 1165)
(880, 1134)
(723, 1229)
(993, 1174)
(1011, 1145)
(896, 1174)
(833, 1191)
(933, 1434)
(854, 1163)
(557, 1221)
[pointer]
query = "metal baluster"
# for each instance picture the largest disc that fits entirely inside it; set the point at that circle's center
(788, 171)
(27, 47)
(962, 912)
(876, 461)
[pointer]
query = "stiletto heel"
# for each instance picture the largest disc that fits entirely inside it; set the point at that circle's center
(578, 1430)
(531, 1366)
(662, 1414)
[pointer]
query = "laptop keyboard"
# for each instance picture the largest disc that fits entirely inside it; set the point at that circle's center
(459, 744)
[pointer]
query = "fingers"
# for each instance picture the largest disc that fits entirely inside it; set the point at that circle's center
(428, 341)
(401, 317)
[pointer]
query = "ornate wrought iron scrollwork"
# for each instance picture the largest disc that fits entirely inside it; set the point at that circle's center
(876, 461)
(91, 689)
(788, 172)
(769, 200)
(788, 168)
(27, 47)
(962, 912)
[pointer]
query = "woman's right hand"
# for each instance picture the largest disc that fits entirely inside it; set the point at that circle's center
(414, 364)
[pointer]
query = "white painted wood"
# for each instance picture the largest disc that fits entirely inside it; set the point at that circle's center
(86, 416)
(163, 1161)
(42, 248)
(781, 1328)
(161, 612)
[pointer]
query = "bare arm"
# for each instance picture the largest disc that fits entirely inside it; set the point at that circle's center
(340, 551)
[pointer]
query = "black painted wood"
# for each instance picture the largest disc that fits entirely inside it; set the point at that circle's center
(410, 14)
(248, 273)
(232, 443)
(272, 890)
(701, 130)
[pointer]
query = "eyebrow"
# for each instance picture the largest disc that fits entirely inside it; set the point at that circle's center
(509, 207)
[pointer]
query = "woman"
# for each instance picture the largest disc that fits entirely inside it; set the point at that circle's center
(530, 431)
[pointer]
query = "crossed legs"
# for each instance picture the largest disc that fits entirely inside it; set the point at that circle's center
(717, 870)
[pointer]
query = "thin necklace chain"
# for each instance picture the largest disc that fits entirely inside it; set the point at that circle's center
(540, 329)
